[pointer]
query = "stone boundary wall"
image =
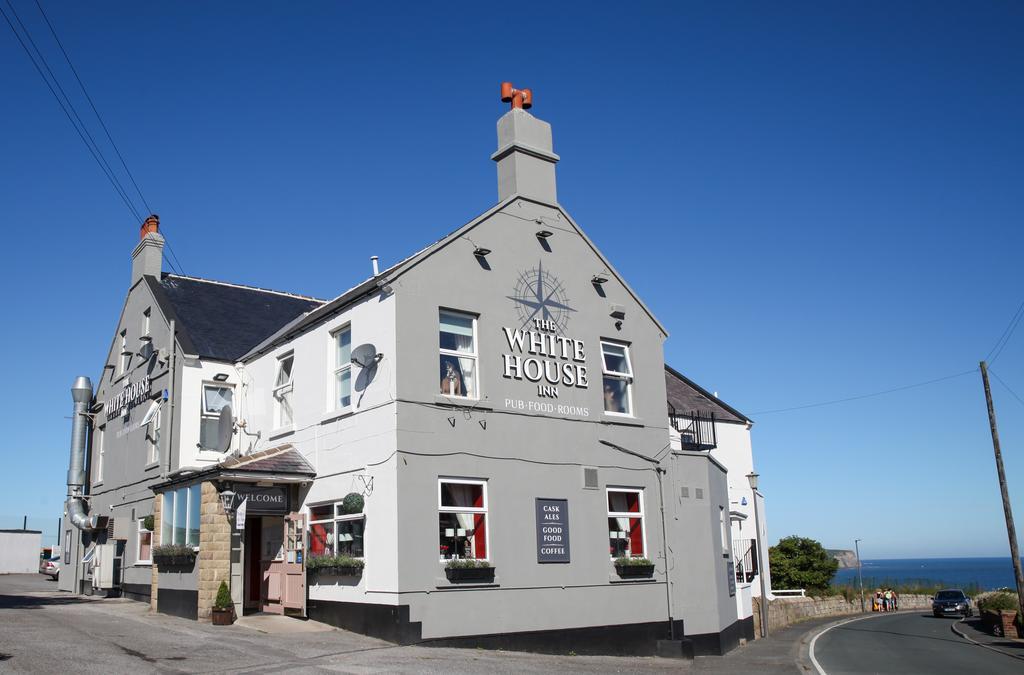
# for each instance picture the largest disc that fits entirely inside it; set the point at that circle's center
(784, 612)
(214, 549)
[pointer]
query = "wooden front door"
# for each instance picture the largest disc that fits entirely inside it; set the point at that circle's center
(284, 570)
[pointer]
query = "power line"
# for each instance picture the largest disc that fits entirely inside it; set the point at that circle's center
(1004, 339)
(81, 84)
(863, 396)
(1021, 400)
(98, 154)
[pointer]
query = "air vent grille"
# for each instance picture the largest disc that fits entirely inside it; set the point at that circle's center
(590, 480)
(699, 492)
(684, 492)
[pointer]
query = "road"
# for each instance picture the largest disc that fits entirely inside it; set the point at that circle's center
(904, 643)
(45, 631)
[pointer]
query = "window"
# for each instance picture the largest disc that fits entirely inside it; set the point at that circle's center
(618, 378)
(99, 452)
(145, 321)
(724, 528)
(342, 340)
(334, 532)
(126, 355)
(283, 416)
(458, 355)
(153, 436)
(180, 516)
(462, 518)
(144, 549)
(626, 523)
(215, 398)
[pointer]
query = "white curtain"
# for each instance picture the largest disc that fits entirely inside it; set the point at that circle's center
(468, 367)
(217, 398)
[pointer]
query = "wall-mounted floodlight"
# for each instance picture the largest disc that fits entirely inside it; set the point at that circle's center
(599, 279)
(481, 251)
(544, 234)
(221, 377)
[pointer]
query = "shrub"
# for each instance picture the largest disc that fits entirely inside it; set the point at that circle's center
(799, 562)
(223, 600)
(998, 601)
(626, 561)
(149, 522)
(466, 563)
(322, 561)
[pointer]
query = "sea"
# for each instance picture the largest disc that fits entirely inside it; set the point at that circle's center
(984, 573)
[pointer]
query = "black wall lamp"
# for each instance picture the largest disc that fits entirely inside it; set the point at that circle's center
(599, 279)
(544, 234)
(481, 252)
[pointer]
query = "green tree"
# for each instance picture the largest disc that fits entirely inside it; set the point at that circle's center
(799, 562)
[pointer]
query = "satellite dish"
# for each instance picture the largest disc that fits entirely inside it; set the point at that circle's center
(225, 429)
(154, 406)
(366, 355)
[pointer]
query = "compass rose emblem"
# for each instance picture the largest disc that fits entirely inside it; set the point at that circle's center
(540, 295)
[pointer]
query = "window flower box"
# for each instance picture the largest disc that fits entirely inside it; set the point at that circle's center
(634, 568)
(336, 566)
(173, 556)
(469, 570)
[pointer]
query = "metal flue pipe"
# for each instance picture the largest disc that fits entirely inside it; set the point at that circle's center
(81, 393)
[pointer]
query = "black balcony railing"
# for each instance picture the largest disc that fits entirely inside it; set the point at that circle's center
(696, 429)
(745, 553)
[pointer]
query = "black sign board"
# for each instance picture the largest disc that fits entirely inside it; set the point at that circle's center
(730, 570)
(268, 501)
(552, 530)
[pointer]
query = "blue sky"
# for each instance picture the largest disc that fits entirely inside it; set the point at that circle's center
(819, 200)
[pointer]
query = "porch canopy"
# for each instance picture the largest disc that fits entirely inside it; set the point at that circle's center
(282, 464)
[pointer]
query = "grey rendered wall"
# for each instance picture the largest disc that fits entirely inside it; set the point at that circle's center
(524, 455)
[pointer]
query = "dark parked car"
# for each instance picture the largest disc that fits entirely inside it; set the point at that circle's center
(951, 601)
(50, 567)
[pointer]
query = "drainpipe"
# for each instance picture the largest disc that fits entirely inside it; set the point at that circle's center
(664, 529)
(81, 393)
(171, 395)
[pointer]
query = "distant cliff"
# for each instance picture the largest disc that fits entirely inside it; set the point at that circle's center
(847, 559)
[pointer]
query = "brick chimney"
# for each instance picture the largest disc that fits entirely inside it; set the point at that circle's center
(147, 258)
(526, 162)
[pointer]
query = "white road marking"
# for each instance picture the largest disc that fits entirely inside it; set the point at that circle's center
(814, 661)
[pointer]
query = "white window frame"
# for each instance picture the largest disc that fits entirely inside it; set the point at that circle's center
(168, 513)
(338, 518)
(629, 514)
(100, 451)
(339, 369)
(139, 560)
(474, 355)
(626, 377)
(123, 358)
(280, 390)
(204, 415)
(467, 509)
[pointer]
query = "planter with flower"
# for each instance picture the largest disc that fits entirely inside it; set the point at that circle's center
(633, 568)
(469, 569)
(174, 556)
(335, 565)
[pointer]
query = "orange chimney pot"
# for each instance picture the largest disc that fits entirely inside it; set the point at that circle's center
(151, 224)
(519, 98)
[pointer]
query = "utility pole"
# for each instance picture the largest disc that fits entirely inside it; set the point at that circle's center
(1007, 511)
(860, 576)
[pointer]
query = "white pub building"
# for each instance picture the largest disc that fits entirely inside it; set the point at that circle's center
(480, 445)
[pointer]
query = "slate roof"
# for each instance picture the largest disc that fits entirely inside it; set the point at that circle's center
(280, 459)
(223, 321)
(685, 395)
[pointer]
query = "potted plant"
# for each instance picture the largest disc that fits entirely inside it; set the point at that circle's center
(336, 565)
(173, 555)
(629, 567)
(999, 613)
(469, 569)
(223, 608)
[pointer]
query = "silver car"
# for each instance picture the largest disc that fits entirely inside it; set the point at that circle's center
(50, 567)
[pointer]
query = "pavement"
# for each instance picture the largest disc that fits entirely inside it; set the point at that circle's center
(972, 630)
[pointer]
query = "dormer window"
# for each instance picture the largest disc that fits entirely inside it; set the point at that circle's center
(283, 388)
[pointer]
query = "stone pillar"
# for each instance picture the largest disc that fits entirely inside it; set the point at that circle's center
(214, 549)
(154, 582)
